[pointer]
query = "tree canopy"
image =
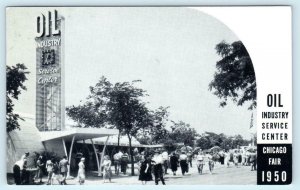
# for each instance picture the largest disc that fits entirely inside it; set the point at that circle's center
(235, 76)
(15, 78)
(158, 130)
(117, 106)
(210, 139)
(182, 132)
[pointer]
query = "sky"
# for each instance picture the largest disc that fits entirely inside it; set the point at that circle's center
(171, 50)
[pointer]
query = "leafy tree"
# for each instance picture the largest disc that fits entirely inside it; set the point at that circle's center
(118, 105)
(182, 132)
(15, 78)
(210, 139)
(235, 76)
(158, 132)
(87, 115)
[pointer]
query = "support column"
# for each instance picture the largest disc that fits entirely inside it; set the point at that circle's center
(64, 145)
(102, 155)
(44, 146)
(70, 156)
(97, 158)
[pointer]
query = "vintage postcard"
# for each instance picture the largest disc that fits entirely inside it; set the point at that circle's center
(149, 95)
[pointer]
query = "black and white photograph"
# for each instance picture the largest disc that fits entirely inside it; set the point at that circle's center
(129, 96)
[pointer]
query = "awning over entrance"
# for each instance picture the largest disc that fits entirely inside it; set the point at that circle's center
(76, 134)
(80, 133)
(113, 141)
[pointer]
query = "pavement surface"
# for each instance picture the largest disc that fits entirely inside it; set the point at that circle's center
(221, 175)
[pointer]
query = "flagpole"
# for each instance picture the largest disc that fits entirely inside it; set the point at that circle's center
(252, 134)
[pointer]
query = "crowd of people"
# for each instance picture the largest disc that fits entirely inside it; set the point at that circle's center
(151, 164)
(56, 170)
(159, 162)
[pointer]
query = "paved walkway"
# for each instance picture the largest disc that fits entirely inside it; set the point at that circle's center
(220, 176)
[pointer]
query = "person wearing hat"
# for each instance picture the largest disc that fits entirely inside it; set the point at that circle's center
(25, 156)
(81, 171)
(183, 160)
(157, 161)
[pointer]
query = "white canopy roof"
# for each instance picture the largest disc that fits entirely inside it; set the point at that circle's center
(113, 141)
(80, 133)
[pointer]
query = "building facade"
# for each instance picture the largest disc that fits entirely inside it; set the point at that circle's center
(46, 131)
(50, 107)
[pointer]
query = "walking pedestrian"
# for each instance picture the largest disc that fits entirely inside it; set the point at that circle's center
(189, 156)
(174, 161)
(165, 157)
(157, 161)
(200, 161)
(145, 170)
(56, 173)
(244, 157)
(117, 160)
(183, 160)
(81, 171)
(63, 167)
(236, 158)
(222, 156)
(124, 162)
(49, 168)
(253, 161)
(106, 168)
(211, 163)
(40, 165)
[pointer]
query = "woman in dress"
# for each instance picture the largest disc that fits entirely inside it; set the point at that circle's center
(145, 171)
(40, 165)
(81, 171)
(106, 168)
(184, 163)
(235, 158)
(174, 163)
(222, 156)
(227, 158)
(49, 167)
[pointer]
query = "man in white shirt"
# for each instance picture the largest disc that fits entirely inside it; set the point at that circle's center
(157, 161)
(200, 161)
(18, 167)
(165, 157)
(117, 160)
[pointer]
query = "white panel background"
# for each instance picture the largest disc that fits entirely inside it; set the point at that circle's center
(267, 34)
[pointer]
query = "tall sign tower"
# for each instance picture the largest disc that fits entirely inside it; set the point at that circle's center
(49, 39)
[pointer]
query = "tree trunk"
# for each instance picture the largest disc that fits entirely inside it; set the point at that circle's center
(119, 136)
(131, 155)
